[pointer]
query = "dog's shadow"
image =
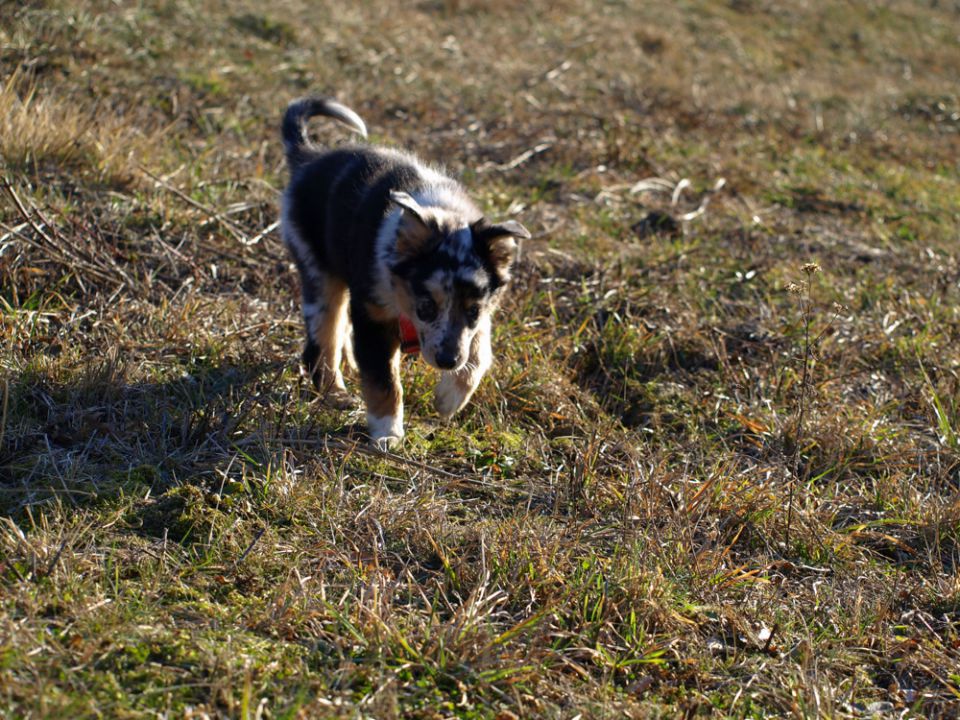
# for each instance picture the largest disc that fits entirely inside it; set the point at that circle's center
(92, 441)
(167, 451)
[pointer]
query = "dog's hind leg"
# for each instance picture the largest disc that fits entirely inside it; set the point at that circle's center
(348, 346)
(324, 305)
(325, 316)
(455, 388)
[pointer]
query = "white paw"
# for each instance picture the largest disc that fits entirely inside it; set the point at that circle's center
(450, 395)
(385, 432)
(385, 444)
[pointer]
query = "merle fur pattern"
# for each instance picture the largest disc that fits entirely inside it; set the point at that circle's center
(376, 233)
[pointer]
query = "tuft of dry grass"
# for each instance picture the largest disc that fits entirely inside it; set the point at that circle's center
(42, 133)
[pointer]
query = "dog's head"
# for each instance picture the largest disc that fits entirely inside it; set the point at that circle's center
(448, 274)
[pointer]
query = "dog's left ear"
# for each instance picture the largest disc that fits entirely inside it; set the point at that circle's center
(415, 234)
(499, 242)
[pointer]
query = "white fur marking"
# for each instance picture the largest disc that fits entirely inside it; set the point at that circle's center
(473, 275)
(383, 252)
(449, 396)
(443, 195)
(429, 174)
(457, 387)
(439, 281)
(387, 430)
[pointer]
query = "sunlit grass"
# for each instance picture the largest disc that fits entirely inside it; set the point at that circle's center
(188, 531)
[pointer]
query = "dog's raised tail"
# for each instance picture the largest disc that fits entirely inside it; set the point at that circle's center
(295, 139)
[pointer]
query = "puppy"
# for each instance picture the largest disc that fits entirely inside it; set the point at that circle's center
(401, 245)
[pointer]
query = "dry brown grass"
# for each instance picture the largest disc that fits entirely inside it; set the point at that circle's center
(604, 533)
(40, 132)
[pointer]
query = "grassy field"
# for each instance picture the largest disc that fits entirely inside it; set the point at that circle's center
(714, 472)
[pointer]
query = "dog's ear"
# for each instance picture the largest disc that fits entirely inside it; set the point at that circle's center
(407, 202)
(499, 243)
(415, 232)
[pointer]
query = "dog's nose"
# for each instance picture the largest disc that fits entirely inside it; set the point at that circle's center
(446, 359)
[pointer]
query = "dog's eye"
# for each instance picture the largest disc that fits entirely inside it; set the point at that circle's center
(473, 314)
(426, 309)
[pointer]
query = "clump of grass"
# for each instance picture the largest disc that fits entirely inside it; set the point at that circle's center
(41, 133)
(945, 412)
(265, 28)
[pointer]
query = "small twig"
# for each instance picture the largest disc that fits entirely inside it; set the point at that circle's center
(11, 231)
(678, 191)
(250, 546)
(23, 212)
(518, 160)
(773, 632)
(56, 246)
(167, 247)
(704, 201)
(810, 269)
(652, 184)
(99, 604)
(377, 452)
(262, 234)
(3, 415)
(233, 229)
(20, 577)
(56, 558)
(657, 184)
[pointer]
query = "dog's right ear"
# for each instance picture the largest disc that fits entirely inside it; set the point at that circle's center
(414, 234)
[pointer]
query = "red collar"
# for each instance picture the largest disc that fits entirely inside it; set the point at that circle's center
(409, 340)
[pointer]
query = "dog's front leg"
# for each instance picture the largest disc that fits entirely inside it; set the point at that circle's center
(455, 388)
(376, 347)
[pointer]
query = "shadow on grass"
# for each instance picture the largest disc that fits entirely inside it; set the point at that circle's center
(99, 438)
